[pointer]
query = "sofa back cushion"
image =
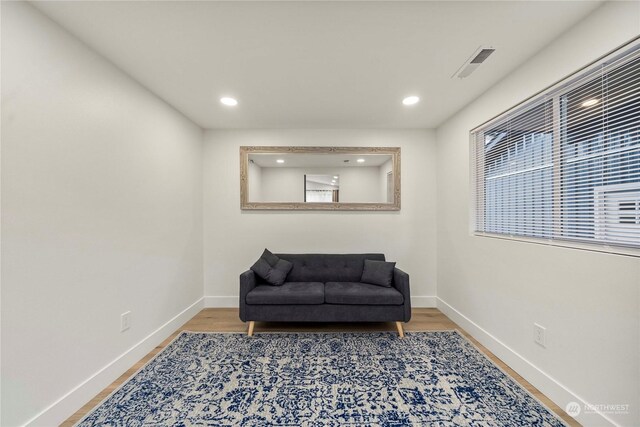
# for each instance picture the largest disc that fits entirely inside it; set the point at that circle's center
(327, 267)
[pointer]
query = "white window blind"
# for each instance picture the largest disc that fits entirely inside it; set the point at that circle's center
(319, 196)
(565, 165)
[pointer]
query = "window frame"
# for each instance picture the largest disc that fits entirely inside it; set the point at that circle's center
(554, 92)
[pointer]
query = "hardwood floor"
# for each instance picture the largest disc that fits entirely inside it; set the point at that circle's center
(226, 320)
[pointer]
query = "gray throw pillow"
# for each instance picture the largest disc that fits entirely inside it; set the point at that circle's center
(271, 268)
(269, 257)
(378, 273)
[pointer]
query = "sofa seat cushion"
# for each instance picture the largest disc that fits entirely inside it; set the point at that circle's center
(288, 293)
(360, 294)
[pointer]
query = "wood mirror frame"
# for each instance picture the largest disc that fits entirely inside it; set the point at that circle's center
(245, 204)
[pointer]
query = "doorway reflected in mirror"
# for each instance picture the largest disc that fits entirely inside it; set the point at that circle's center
(321, 188)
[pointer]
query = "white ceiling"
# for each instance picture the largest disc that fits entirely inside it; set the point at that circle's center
(315, 64)
(324, 180)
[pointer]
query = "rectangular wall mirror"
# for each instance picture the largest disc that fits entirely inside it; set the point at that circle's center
(320, 178)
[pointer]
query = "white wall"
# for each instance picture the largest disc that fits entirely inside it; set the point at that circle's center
(283, 184)
(383, 170)
(234, 239)
(101, 213)
(254, 182)
(589, 302)
(360, 185)
(357, 184)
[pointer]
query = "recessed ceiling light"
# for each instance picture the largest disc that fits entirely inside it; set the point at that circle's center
(590, 102)
(411, 100)
(280, 161)
(360, 160)
(335, 177)
(229, 101)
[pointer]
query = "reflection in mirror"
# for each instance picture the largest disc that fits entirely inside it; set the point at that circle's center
(320, 178)
(327, 178)
(322, 188)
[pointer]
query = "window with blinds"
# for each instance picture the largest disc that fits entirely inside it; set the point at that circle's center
(566, 165)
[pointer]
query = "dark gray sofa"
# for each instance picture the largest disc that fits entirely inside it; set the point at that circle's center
(325, 288)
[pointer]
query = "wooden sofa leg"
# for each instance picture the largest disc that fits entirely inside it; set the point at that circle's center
(251, 325)
(400, 330)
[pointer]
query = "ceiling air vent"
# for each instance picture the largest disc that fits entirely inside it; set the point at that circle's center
(478, 57)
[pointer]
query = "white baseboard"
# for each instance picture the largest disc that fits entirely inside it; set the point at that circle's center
(551, 388)
(68, 404)
(226, 301)
(218, 301)
(423, 302)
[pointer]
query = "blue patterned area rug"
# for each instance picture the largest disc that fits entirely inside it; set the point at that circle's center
(321, 379)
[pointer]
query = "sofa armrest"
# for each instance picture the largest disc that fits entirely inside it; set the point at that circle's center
(401, 283)
(247, 283)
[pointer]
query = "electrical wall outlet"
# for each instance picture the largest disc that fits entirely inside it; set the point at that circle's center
(125, 321)
(539, 335)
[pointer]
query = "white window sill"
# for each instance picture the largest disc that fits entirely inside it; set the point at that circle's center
(595, 247)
